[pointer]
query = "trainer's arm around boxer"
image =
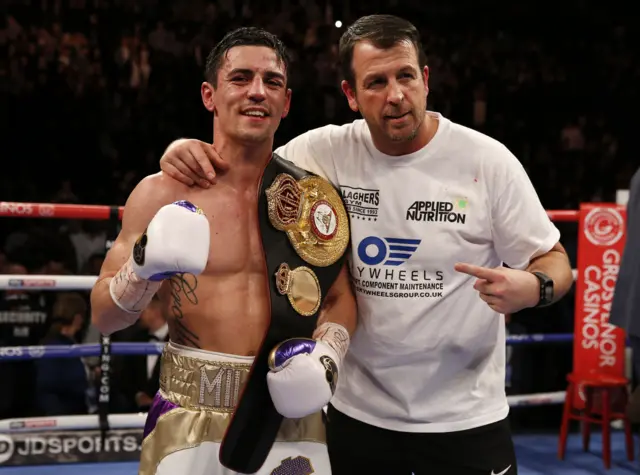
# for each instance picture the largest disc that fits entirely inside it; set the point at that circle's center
(158, 239)
(304, 372)
(192, 161)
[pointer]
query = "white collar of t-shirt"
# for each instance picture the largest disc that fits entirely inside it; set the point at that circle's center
(405, 160)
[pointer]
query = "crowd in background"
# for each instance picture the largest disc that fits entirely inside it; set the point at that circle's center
(94, 90)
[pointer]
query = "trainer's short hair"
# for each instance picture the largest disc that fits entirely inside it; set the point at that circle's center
(383, 31)
(245, 36)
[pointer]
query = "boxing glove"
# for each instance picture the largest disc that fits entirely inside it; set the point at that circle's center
(304, 372)
(302, 377)
(176, 241)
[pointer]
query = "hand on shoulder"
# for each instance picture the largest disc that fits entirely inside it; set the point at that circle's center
(192, 161)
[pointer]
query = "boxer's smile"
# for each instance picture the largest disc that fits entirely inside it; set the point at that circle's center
(255, 113)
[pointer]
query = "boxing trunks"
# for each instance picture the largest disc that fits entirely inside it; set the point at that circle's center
(190, 413)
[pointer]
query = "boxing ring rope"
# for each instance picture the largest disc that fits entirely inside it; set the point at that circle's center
(121, 421)
(65, 282)
(11, 209)
(136, 421)
(48, 210)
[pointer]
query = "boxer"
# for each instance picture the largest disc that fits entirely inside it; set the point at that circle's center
(252, 277)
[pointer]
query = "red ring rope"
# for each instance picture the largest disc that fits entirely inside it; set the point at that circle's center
(64, 211)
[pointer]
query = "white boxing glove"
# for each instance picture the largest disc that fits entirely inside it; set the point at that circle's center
(304, 372)
(176, 241)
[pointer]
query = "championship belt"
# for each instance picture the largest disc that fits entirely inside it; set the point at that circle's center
(305, 235)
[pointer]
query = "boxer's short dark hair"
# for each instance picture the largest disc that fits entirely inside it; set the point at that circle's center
(382, 31)
(245, 36)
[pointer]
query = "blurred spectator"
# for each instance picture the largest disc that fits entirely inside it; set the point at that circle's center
(135, 379)
(127, 79)
(23, 314)
(65, 194)
(155, 322)
(62, 383)
(89, 238)
(23, 322)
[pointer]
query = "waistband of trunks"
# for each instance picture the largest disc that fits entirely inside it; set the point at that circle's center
(196, 379)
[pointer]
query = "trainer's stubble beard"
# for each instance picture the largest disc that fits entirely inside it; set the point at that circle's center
(414, 133)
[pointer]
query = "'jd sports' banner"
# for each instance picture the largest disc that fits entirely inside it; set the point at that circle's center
(599, 347)
(54, 447)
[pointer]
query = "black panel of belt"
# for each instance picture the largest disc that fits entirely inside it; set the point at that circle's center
(104, 389)
(255, 422)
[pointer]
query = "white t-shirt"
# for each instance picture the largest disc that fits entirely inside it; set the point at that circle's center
(428, 354)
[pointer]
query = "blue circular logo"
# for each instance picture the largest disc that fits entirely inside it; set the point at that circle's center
(378, 257)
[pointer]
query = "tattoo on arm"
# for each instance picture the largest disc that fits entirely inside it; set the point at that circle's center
(119, 276)
(183, 288)
(335, 336)
(325, 310)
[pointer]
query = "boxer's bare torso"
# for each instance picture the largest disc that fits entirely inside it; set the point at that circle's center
(226, 308)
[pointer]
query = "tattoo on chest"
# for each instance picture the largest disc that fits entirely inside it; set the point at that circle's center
(183, 289)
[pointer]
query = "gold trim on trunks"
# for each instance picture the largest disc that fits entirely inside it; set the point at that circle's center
(186, 381)
(181, 429)
(312, 214)
(198, 383)
(302, 288)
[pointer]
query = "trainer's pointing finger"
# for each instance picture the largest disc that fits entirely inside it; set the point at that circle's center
(477, 271)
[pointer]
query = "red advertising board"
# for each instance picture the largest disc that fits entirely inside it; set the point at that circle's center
(599, 347)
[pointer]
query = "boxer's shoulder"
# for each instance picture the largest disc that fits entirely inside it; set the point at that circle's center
(162, 182)
(167, 184)
(152, 193)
